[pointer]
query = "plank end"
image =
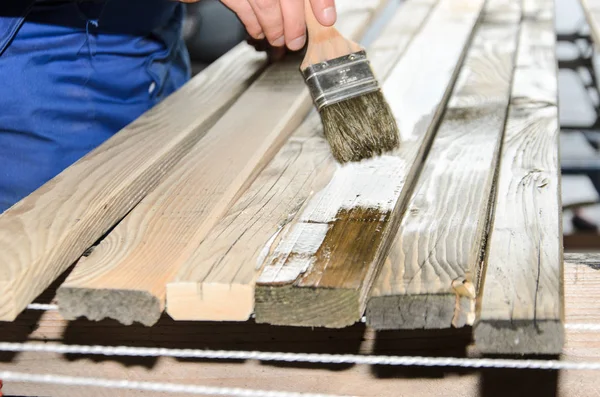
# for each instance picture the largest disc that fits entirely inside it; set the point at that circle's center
(411, 312)
(125, 306)
(191, 301)
(307, 307)
(519, 337)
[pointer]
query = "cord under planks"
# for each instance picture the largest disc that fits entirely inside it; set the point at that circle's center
(429, 279)
(321, 272)
(125, 278)
(582, 299)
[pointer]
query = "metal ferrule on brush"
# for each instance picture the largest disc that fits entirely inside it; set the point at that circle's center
(340, 79)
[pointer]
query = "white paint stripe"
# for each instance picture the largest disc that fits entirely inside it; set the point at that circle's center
(295, 253)
(373, 183)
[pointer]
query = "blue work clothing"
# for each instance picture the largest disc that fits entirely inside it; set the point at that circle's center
(73, 73)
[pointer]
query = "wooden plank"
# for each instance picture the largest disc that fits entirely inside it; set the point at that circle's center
(321, 271)
(125, 277)
(582, 301)
(582, 296)
(521, 308)
(47, 231)
(429, 279)
(217, 282)
(591, 9)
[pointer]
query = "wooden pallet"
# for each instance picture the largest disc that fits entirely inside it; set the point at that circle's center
(220, 210)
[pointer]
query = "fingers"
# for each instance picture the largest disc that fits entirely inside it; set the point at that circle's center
(268, 13)
(282, 22)
(294, 23)
(246, 14)
(324, 11)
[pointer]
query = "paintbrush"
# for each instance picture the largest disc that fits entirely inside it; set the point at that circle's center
(357, 120)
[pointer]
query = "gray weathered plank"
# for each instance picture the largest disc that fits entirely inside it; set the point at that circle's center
(429, 279)
(522, 303)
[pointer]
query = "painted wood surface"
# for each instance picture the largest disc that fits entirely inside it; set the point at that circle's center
(582, 299)
(217, 282)
(522, 304)
(47, 231)
(125, 277)
(321, 271)
(429, 279)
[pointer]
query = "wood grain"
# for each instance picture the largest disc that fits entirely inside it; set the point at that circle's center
(582, 299)
(217, 282)
(522, 304)
(125, 277)
(47, 231)
(321, 272)
(430, 276)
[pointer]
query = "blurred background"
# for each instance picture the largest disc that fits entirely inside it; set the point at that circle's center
(211, 30)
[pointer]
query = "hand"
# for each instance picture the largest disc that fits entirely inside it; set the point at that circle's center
(281, 22)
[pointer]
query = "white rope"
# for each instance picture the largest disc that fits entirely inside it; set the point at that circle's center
(583, 327)
(299, 357)
(147, 386)
(42, 306)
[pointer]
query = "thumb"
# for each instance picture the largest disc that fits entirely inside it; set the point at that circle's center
(324, 11)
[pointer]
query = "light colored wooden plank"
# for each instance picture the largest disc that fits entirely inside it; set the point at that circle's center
(591, 9)
(582, 294)
(217, 282)
(429, 279)
(47, 231)
(582, 301)
(578, 190)
(521, 307)
(125, 277)
(582, 288)
(321, 272)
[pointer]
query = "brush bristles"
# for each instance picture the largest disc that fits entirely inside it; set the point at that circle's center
(360, 128)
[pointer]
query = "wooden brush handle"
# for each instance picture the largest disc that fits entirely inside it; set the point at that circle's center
(324, 42)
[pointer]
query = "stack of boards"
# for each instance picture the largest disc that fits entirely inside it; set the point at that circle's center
(223, 202)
